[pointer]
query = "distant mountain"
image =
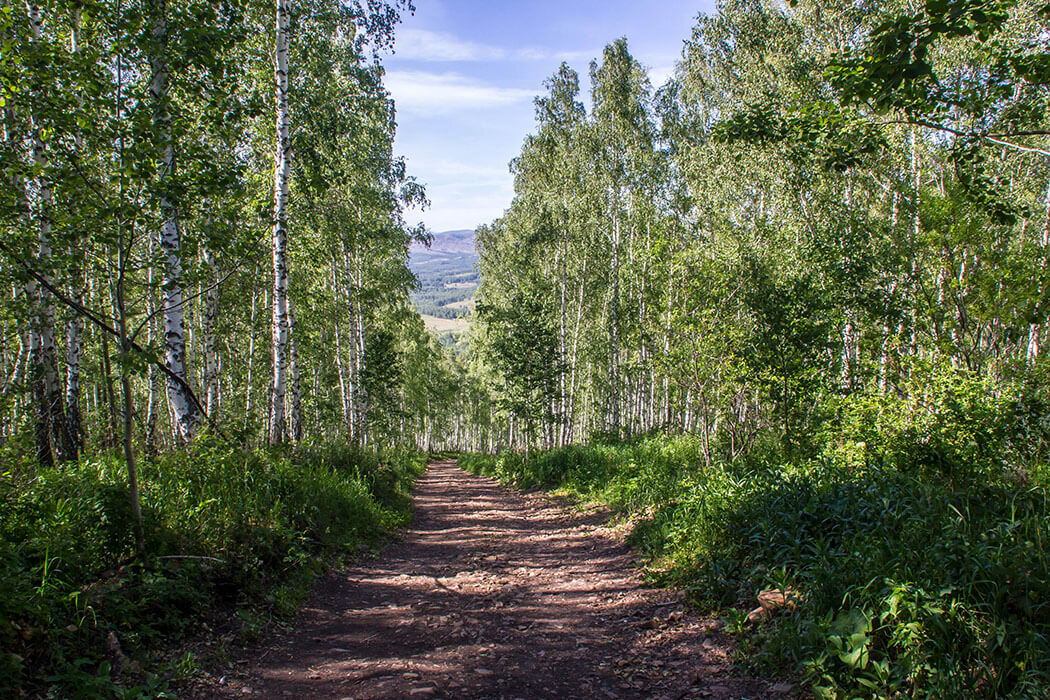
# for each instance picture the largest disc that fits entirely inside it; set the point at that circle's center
(447, 281)
(459, 241)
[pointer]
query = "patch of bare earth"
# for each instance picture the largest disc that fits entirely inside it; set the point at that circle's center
(494, 593)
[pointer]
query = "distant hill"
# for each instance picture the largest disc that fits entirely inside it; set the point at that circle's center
(460, 241)
(448, 279)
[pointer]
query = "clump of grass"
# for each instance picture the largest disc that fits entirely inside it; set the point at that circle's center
(225, 531)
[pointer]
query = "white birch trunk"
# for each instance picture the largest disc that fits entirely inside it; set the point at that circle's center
(295, 394)
(211, 357)
(356, 349)
(75, 325)
(186, 418)
(248, 405)
(614, 321)
(52, 434)
(282, 165)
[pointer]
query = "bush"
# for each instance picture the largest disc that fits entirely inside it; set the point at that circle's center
(919, 555)
(224, 530)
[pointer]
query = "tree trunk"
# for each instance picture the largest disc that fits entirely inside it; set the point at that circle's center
(211, 357)
(614, 322)
(53, 440)
(282, 164)
(75, 325)
(248, 405)
(295, 403)
(74, 352)
(125, 386)
(186, 418)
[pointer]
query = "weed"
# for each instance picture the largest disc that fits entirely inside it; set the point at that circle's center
(919, 558)
(225, 531)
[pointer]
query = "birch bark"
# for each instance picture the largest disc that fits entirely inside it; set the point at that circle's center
(186, 417)
(52, 436)
(211, 357)
(282, 167)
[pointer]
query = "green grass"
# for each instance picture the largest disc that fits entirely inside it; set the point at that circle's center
(230, 535)
(921, 557)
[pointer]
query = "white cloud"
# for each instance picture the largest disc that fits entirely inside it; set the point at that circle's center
(465, 203)
(425, 45)
(420, 92)
(658, 75)
(453, 169)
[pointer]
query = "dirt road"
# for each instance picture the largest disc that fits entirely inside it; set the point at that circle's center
(495, 593)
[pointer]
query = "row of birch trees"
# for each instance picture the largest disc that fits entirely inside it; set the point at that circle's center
(202, 227)
(826, 201)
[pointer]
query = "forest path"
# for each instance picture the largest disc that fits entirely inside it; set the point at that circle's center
(495, 593)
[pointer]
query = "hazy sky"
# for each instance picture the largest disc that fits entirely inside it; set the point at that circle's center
(465, 72)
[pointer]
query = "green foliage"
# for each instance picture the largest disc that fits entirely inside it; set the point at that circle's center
(917, 550)
(524, 350)
(224, 530)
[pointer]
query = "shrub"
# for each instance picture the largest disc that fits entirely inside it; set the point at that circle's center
(919, 556)
(224, 529)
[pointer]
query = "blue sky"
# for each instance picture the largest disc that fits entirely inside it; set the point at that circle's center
(465, 72)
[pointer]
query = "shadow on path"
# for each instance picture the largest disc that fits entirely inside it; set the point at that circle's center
(494, 593)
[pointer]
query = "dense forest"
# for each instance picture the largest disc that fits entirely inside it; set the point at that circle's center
(787, 313)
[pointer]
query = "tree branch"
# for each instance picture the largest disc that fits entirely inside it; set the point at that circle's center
(105, 327)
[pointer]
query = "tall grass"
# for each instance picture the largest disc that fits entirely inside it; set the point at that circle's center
(226, 531)
(919, 551)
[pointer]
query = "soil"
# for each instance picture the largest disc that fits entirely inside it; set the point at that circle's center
(495, 593)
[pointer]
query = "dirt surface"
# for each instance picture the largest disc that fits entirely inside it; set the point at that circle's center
(494, 593)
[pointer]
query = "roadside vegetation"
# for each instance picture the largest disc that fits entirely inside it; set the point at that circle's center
(232, 538)
(908, 554)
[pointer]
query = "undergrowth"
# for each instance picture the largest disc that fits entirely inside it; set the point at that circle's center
(917, 541)
(230, 536)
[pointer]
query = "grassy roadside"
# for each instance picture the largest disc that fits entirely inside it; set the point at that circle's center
(233, 539)
(902, 583)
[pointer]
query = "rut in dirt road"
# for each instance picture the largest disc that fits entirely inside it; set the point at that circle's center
(495, 594)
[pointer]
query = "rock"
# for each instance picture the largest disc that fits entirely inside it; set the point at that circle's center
(426, 692)
(410, 675)
(771, 600)
(483, 671)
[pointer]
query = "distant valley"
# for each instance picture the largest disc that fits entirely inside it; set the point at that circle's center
(448, 281)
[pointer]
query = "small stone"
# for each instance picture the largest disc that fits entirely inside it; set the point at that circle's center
(411, 675)
(483, 671)
(423, 692)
